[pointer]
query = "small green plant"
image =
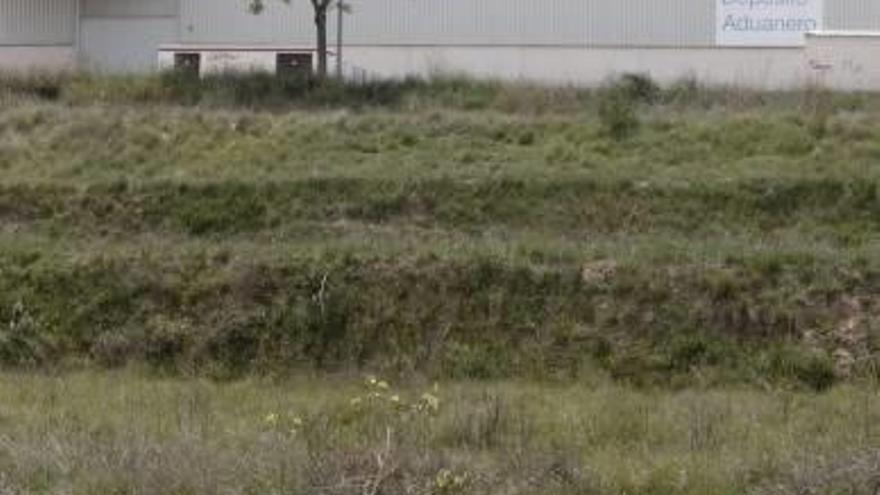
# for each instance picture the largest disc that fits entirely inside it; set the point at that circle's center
(818, 109)
(449, 483)
(618, 113)
(21, 341)
(639, 87)
(683, 92)
(379, 398)
(812, 369)
(37, 86)
(368, 442)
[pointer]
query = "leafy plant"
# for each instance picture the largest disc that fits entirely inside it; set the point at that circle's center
(618, 113)
(22, 338)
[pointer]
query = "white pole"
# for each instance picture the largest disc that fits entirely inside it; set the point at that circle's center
(340, 12)
(77, 33)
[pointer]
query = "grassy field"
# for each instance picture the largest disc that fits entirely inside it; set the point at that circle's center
(631, 289)
(116, 432)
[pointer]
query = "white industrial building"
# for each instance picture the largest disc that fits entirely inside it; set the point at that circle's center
(761, 43)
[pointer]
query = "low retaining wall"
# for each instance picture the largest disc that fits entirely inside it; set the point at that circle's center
(765, 68)
(38, 58)
(845, 60)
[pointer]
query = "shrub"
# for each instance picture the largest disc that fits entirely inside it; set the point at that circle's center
(618, 113)
(113, 349)
(22, 338)
(685, 91)
(166, 343)
(377, 442)
(461, 360)
(40, 86)
(809, 368)
(639, 88)
(818, 108)
(691, 351)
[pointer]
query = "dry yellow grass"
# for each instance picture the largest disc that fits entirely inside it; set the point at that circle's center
(126, 433)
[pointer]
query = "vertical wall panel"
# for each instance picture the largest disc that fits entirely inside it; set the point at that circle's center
(37, 22)
(130, 8)
(102, 50)
(228, 21)
(530, 22)
(852, 14)
(463, 22)
(414, 22)
(125, 35)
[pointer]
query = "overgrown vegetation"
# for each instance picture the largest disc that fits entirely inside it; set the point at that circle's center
(221, 313)
(443, 92)
(121, 433)
(670, 236)
(635, 289)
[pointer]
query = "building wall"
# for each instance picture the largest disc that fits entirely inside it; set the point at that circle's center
(125, 35)
(37, 22)
(37, 34)
(525, 22)
(653, 23)
(852, 14)
(562, 41)
(765, 68)
(845, 61)
(228, 21)
(102, 51)
(582, 41)
(37, 58)
(463, 22)
(129, 8)
(679, 23)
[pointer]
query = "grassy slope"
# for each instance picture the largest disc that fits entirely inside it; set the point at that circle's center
(462, 231)
(229, 240)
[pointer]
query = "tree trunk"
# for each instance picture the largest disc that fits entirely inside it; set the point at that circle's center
(321, 29)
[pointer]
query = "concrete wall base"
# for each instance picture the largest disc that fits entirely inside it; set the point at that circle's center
(849, 67)
(37, 58)
(766, 68)
(847, 61)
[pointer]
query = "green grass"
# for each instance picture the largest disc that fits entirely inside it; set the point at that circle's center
(208, 235)
(225, 308)
(49, 143)
(728, 238)
(627, 290)
(122, 433)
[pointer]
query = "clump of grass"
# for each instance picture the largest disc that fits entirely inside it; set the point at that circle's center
(818, 108)
(22, 338)
(35, 86)
(816, 370)
(618, 113)
(639, 87)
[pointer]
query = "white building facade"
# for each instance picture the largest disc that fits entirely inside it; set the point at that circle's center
(757, 43)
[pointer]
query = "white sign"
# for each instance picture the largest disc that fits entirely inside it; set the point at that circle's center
(767, 22)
